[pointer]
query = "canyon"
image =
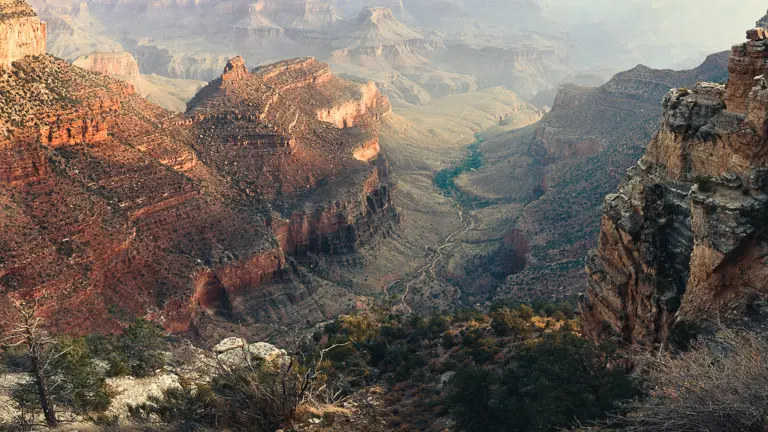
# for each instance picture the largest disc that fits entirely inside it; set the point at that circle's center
(410, 63)
(682, 241)
(113, 207)
(298, 157)
(537, 195)
(391, 196)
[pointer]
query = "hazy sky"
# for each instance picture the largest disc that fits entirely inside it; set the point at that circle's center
(697, 27)
(708, 21)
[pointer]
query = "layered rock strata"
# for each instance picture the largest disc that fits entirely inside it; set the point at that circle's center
(112, 208)
(684, 239)
(21, 32)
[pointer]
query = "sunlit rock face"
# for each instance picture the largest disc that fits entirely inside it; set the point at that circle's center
(21, 32)
(115, 208)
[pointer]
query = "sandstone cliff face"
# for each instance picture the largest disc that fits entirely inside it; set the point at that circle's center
(682, 239)
(121, 65)
(116, 208)
(21, 32)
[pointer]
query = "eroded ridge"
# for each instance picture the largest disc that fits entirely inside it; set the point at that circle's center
(116, 208)
(683, 240)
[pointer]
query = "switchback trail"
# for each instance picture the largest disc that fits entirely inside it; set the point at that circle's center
(434, 257)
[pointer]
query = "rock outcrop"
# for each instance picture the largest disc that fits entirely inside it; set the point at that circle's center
(120, 65)
(21, 32)
(570, 96)
(684, 238)
(236, 352)
(116, 208)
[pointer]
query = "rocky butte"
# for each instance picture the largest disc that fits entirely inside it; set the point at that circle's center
(111, 207)
(21, 32)
(684, 239)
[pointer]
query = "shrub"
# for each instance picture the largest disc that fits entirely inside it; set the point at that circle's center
(140, 349)
(548, 385)
(507, 322)
(242, 399)
(471, 400)
(705, 183)
(77, 382)
(720, 385)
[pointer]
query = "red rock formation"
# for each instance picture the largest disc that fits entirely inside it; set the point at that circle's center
(682, 239)
(747, 62)
(235, 70)
(116, 208)
(21, 32)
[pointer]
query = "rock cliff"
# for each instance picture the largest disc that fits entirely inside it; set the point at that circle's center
(21, 32)
(569, 96)
(563, 165)
(683, 240)
(114, 208)
(120, 65)
(168, 93)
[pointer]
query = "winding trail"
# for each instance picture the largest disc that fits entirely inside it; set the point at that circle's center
(435, 252)
(435, 256)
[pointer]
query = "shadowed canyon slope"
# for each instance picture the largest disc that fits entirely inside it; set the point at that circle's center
(683, 240)
(548, 179)
(114, 207)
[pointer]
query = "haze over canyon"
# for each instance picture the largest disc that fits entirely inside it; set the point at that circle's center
(366, 200)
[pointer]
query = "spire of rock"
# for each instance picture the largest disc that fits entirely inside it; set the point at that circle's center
(235, 69)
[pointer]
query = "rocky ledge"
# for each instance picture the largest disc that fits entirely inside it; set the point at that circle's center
(683, 240)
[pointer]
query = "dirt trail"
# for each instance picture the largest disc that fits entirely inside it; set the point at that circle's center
(435, 256)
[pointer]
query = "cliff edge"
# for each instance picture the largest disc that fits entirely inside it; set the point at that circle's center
(684, 239)
(21, 32)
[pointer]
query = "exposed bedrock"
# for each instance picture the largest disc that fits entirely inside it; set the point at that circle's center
(115, 208)
(21, 32)
(684, 239)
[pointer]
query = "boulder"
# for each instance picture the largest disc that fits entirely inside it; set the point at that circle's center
(756, 34)
(229, 344)
(270, 354)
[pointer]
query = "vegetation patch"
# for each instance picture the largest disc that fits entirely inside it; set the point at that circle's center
(445, 180)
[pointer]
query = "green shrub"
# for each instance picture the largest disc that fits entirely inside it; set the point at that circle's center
(140, 348)
(547, 386)
(77, 382)
(508, 322)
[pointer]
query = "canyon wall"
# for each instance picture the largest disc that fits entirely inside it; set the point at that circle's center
(683, 240)
(121, 65)
(21, 32)
(569, 96)
(113, 208)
